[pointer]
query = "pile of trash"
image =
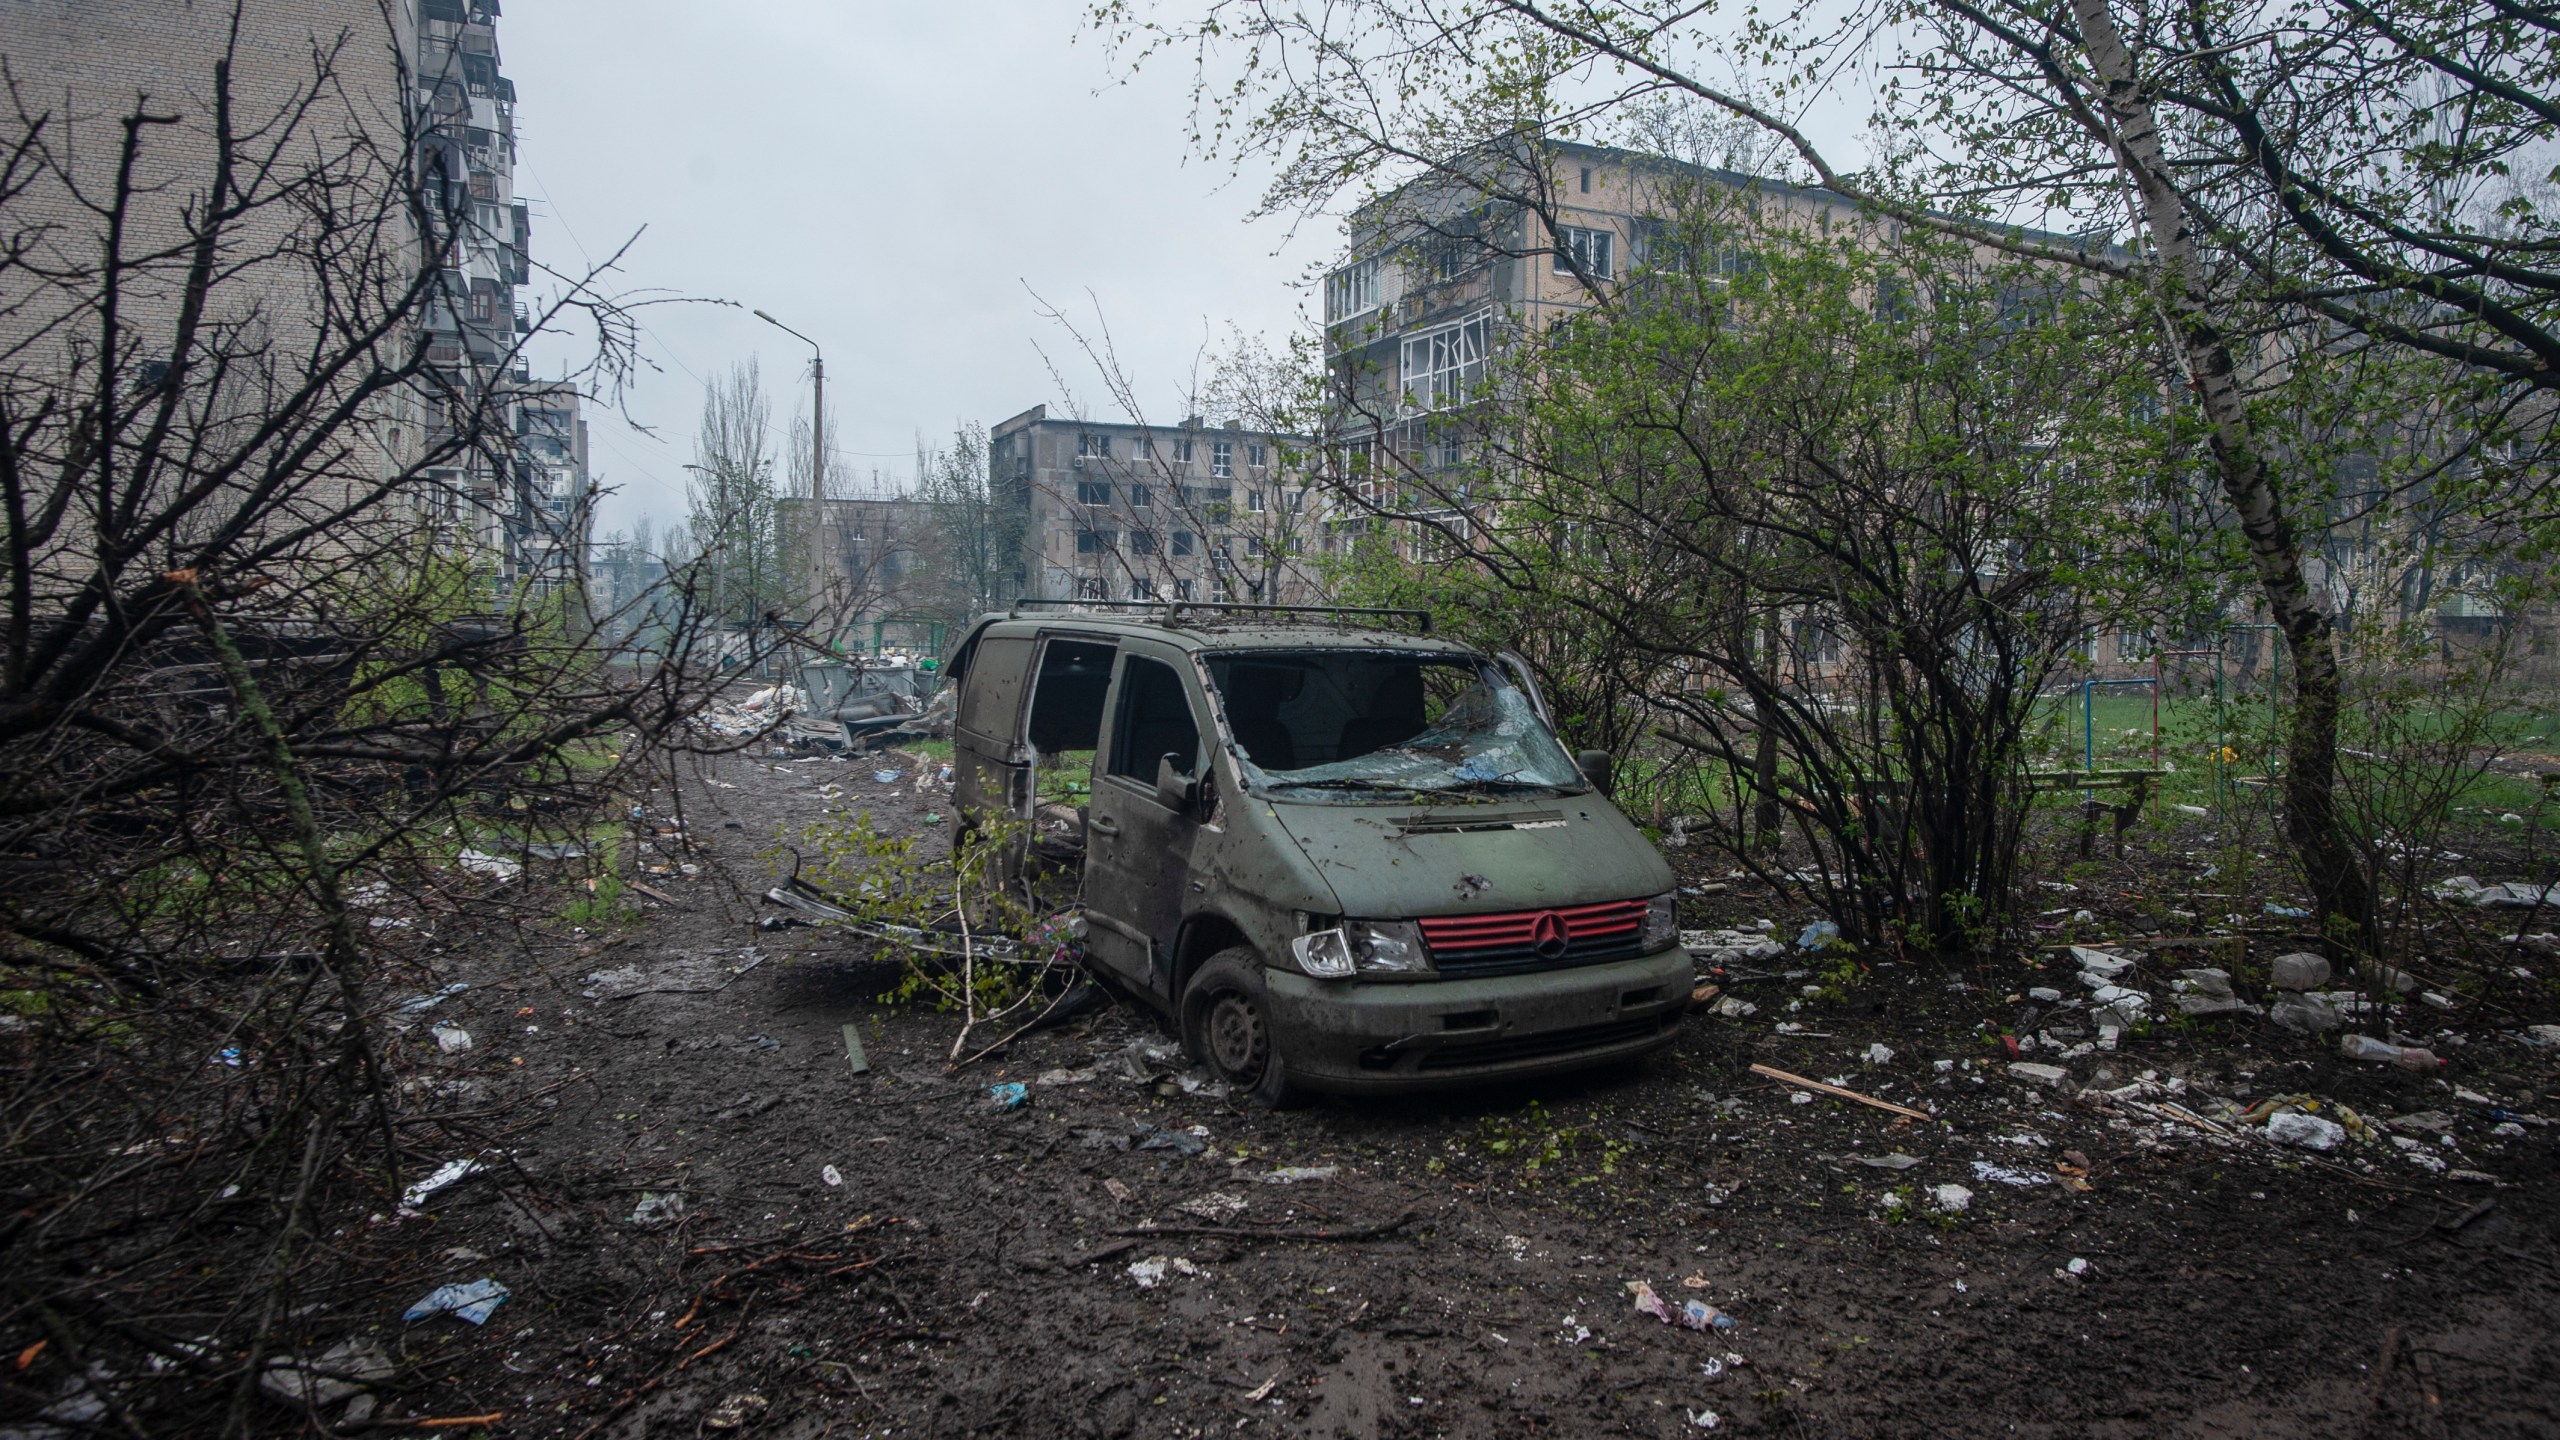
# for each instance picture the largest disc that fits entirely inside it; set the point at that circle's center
(1719, 948)
(755, 715)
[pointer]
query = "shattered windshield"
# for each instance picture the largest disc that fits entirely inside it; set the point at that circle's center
(1354, 724)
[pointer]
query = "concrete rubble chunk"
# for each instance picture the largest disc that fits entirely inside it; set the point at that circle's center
(2040, 1074)
(2099, 962)
(2300, 970)
(2206, 982)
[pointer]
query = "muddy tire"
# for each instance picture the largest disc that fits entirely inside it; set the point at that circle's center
(1226, 1025)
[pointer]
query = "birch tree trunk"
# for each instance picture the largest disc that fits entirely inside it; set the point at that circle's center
(2339, 887)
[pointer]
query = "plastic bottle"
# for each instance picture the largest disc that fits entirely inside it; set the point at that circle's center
(2407, 1057)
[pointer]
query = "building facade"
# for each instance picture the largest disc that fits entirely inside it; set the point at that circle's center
(1130, 512)
(526, 506)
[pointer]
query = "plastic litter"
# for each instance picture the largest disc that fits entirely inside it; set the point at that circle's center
(1895, 1161)
(1149, 1273)
(830, 1174)
(1704, 1419)
(1879, 1054)
(2287, 912)
(2407, 1057)
(1300, 1174)
(2009, 1175)
(450, 1173)
(416, 1004)
(1818, 935)
(1009, 1094)
(494, 867)
(1951, 1198)
(1181, 1142)
(887, 777)
(1689, 1314)
(656, 1208)
(2305, 1014)
(472, 1303)
(452, 1039)
(2306, 1132)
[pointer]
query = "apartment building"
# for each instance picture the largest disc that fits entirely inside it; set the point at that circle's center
(1443, 275)
(528, 511)
(873, 553)
(1136, 512)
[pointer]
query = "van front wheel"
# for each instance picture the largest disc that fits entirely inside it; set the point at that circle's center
(1226, 1021)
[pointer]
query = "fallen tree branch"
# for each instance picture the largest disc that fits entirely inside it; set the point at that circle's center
(1782, 1076)
(1378, 1231)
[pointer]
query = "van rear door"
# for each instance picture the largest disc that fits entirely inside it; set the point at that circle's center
(990, 772)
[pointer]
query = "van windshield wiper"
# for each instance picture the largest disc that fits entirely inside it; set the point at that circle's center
(1342, 782)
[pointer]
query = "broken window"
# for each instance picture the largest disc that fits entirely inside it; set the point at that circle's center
(1358, 722)
(1093, 492)
(1351, 290)
(1592, 252)
(1441, 367)
(1096, 446)
(1154, 722)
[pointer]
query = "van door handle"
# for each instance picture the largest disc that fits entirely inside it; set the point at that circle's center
(1103, 825)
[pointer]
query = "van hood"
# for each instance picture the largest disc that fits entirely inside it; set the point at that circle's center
(1388, 862)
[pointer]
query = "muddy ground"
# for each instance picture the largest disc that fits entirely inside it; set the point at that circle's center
(896, 1252)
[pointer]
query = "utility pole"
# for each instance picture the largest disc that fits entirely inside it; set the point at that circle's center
(818, 570)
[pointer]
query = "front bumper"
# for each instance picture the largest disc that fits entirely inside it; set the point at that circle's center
(1355, 1037)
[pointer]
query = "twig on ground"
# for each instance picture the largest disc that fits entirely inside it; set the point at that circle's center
(1378, 1231)
(1783, 1077)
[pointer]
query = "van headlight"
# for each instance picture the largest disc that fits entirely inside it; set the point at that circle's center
(1388, 947)
(1325, 954)
(1661, 923)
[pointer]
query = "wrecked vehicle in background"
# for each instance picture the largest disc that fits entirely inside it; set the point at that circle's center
(1340, 858)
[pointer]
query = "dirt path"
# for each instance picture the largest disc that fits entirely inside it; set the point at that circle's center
(975, 1268)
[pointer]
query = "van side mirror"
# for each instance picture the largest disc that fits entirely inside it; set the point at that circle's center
(1595, 767)
(1173, 788)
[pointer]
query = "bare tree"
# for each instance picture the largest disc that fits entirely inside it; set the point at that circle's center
(258, 688)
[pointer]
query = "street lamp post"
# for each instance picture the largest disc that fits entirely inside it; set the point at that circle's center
(818, 571)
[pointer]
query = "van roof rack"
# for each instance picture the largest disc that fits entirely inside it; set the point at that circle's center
(1168, 610)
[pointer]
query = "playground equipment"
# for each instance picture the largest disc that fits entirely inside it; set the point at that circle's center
(2140, 782)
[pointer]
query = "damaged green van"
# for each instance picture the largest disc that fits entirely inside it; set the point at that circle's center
(1340, 858)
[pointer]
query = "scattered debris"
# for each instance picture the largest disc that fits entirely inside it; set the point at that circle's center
(2040, 1074)
(450, 1173)
(452, 1039)
(1217, 1207)
(1951, 1198)
(2305, 1131)
(2407, 1057)
(658, 1207)
(853, 1048)
(2008, 1175)
(1008, 1094)
(832, 1176)
(737, 1412)
(340, 1372)
(472, 1303)
(1300, 1174)
(1844, 1093)
(1689, 1314)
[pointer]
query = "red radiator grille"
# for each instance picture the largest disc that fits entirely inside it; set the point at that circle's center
(1527, 939)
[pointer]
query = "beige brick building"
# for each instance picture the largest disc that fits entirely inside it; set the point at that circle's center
(1128, 512)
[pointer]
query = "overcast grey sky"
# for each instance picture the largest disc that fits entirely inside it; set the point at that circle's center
(893, 180)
